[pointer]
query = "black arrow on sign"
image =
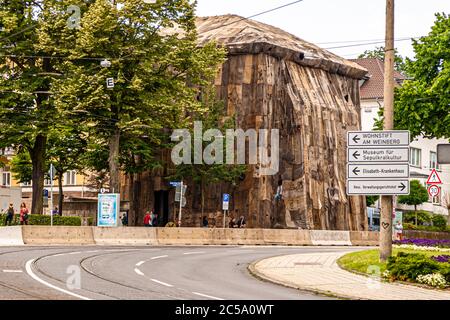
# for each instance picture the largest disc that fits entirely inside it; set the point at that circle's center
(355, 171)
(356, 155)
(356, 139)
(402, 186)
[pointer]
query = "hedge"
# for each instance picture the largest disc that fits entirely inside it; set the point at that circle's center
(410, 226)
(43, 220)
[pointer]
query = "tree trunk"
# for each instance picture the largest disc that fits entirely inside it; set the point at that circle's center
(137, 184)
(61, 194)
(113, 159)
(37, 155)
(415, 211)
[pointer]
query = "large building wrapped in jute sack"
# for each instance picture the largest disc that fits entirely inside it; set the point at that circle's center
(274, 80)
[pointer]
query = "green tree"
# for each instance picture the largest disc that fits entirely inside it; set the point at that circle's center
(156, 66)
(206, 174)
(422, 103)
(66, 147)
(370, 200)
(378, 52)
(418, 194)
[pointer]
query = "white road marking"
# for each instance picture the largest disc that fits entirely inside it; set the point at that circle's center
(207, 296)
(77, 252)
(158, 257)
(163, 283)
(139, 272)
(198, 252)
(45, 283)
(12, 271)
(140, 263)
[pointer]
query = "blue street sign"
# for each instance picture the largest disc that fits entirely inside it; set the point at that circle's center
(45, 193)
(174, 183)
(225, 201)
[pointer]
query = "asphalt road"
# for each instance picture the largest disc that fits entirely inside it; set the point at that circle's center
(175, 273)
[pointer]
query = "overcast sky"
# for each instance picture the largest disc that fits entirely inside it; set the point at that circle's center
(325, 21)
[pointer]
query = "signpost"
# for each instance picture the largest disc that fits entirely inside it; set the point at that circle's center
(225, 206)
(378, 162)
(433, 190)
(443, 153)
(180, 191)
(434, 178)
(108, 209)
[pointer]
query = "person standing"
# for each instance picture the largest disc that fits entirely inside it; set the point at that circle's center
(24, 214)
(205, 222)
(241, 222)
(399, 230)
(9, 215)
(147, 219)
(125, 219)
(154, 217)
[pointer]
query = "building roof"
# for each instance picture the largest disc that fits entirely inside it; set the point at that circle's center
(246, 36)
(373, 88)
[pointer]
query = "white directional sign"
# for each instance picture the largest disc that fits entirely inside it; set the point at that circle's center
(376, 187)
(395, 154)
(377, 171)
(378, 162)
(395, 138)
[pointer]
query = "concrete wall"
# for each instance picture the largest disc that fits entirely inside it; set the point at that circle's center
(11, 236)
(61, 235)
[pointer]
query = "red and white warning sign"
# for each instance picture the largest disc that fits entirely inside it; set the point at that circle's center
(434, 190)
(433, 178)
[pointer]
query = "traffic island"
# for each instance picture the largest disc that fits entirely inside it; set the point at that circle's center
(320, 273)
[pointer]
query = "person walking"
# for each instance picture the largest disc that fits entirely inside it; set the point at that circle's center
(147, 219)
(24, 214)
(399, 230)
(9, 215)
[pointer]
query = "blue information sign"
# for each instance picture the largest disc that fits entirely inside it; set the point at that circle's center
(108, 209)
(174, 183)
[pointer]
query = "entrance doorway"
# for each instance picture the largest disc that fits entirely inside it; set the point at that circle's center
(162, 206)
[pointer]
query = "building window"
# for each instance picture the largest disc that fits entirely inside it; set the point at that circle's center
(433, 160)
(70, 178)
(415, 157)
(47, 181)
(6, 179)
(26, 184)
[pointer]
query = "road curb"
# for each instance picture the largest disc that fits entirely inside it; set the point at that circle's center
(261, 276)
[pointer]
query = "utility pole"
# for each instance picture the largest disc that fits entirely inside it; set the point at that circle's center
(386, 201)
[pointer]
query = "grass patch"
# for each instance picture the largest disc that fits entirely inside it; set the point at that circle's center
(360, 261)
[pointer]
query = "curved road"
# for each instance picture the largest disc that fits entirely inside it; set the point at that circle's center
(175, 273)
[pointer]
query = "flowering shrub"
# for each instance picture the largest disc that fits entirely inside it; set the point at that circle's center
(422, 248)
(442, 258)
(434, 279)
(407, 266)
(424, 242)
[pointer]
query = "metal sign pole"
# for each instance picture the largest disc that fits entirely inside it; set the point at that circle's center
(51, 194)
(224, 217)
(181, 203)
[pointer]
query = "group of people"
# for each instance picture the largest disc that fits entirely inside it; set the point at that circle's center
(151, 219)
(240, 223)
(24, 214)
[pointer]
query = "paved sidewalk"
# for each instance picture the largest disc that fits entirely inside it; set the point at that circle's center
(319, 272)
